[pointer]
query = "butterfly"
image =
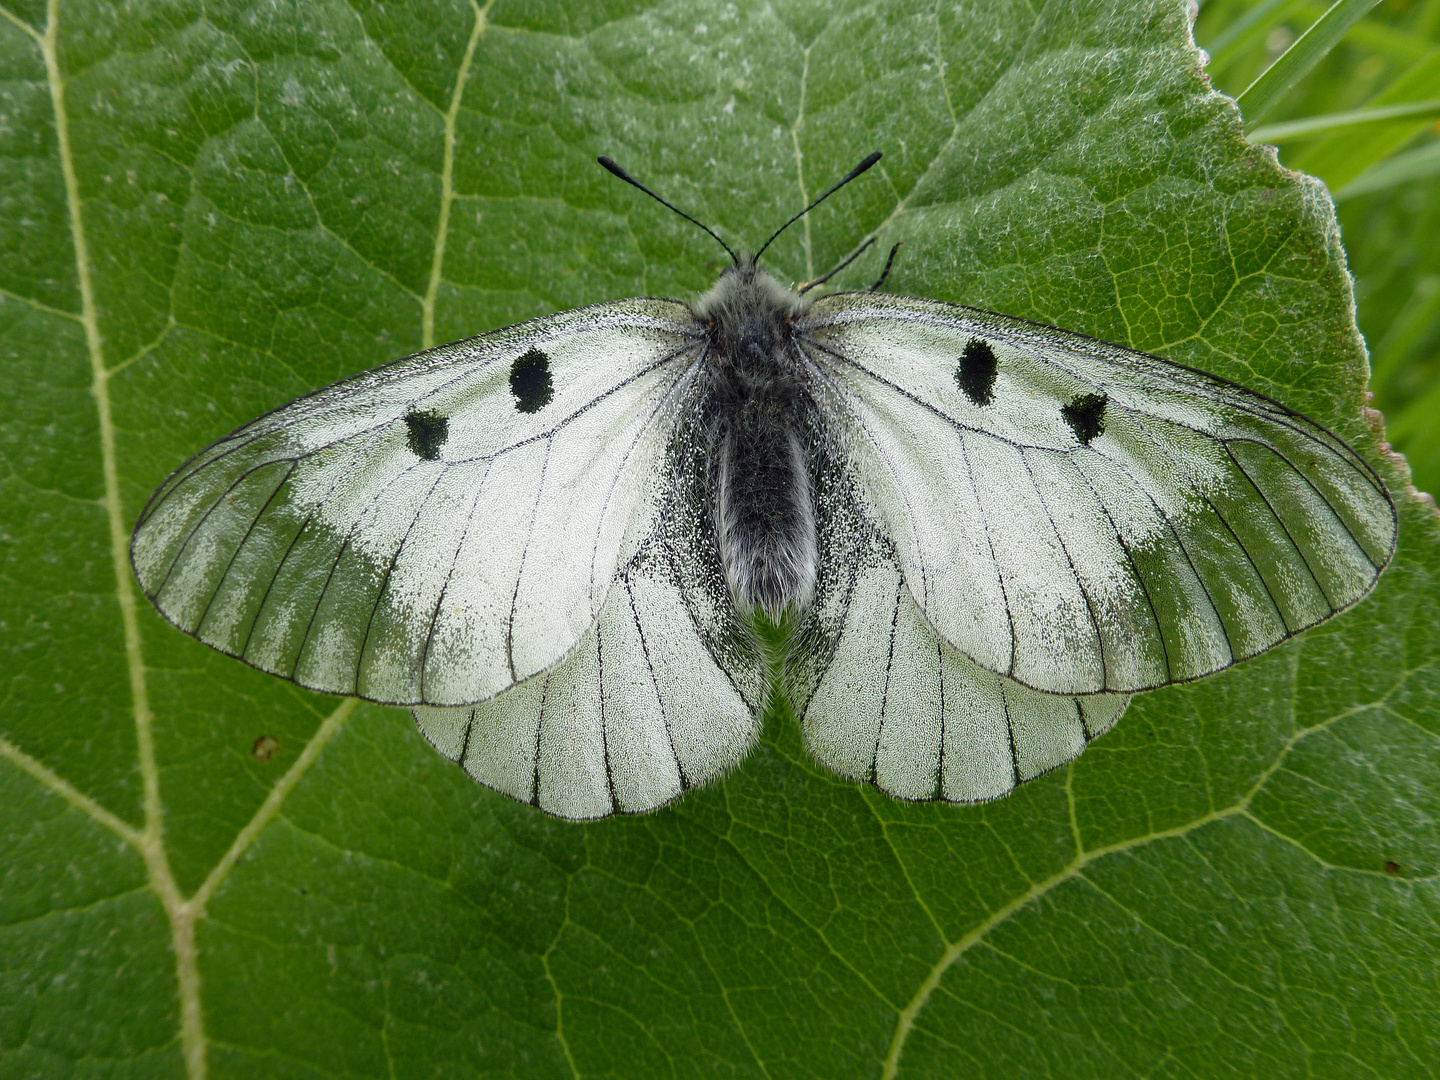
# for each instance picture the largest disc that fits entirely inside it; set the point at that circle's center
(586, 549)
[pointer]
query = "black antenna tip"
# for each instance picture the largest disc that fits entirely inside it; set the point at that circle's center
(851, 175)
(612, 167)
(858, 169)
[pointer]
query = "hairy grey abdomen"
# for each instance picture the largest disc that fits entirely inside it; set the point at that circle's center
(764, 512)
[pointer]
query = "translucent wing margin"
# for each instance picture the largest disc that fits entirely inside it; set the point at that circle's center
(1081, 518)
(436, 530)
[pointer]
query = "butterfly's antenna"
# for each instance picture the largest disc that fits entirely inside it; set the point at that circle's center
(623, 175)
(856, 171)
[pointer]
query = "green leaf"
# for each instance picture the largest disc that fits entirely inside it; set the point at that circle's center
(208, 210)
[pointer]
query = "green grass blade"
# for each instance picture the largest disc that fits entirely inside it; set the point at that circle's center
(1262, 95)
(1400, 169)
(1414, 430)
(1312, 126)
(1341, 157)
(1256, 19)
(1407, 332)
(1397, 43)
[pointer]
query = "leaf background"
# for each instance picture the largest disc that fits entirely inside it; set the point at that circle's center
(209, 209)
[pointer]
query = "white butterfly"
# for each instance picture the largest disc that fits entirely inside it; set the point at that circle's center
(978, 535)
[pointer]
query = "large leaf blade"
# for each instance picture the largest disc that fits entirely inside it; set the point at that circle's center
(369, 911)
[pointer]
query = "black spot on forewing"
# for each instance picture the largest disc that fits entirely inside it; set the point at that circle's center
(428, 432)
(530, 381)
(976, 371)
(1086, 416)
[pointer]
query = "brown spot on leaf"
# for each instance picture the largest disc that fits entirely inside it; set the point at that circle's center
(266, 747)
(1392, 868)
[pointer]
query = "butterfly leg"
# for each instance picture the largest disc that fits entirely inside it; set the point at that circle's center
(836, 268)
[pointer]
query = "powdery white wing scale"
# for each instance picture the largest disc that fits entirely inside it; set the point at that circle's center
(884, 699)
(1082, 518)
(655, 699)
(898, 707)
(436, 530)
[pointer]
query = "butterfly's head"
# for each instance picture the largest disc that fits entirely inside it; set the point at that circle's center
(749, 304)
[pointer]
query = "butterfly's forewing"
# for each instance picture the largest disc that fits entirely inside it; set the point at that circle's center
(436, 530)
(1083, 518)
(662, 694)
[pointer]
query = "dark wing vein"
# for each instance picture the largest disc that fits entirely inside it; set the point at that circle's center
(885, 693)
(520, 570)
(940, 764)
(215, 503)
(230, 565)
(280, 566)
(1286, 528)
(1079, 584)
(844, 395)
(535, 757)
(176, 480)
(1212, 387)
(1135, 570)
(449, 576)
(1312, 433)
(990, 541)
(1195, 486)
(665, 399)
(604, 732)
(1010, 731)
(465, 740)
(655, 684)
(1180, 543)
(1308, 483)
(390, 569)
(335, 563)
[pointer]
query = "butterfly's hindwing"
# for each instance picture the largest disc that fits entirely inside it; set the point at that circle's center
(662, 694)
(1085, 518)
(886, 700)
(437, 530)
